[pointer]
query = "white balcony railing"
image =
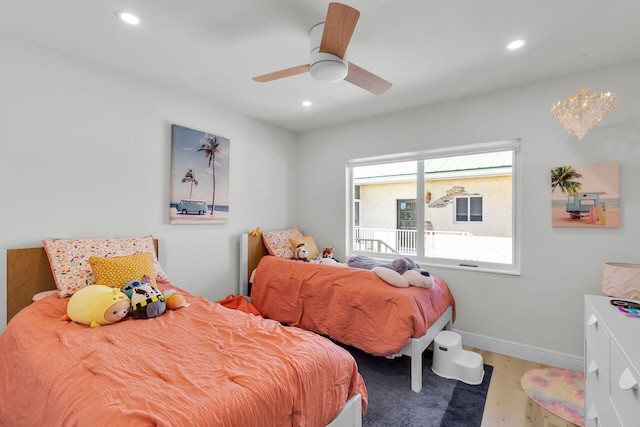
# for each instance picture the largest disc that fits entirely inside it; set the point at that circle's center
(437, 244)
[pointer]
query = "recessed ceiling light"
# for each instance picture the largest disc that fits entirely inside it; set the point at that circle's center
(128, 17)
(306, 103)
(516, 44)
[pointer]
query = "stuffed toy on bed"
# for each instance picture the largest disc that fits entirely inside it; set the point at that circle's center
(147, 302)
(329, 253)
(401, 272)
(302, 253)
(174, 300)
(97, 305)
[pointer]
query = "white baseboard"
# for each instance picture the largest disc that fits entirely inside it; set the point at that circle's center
(523, 351)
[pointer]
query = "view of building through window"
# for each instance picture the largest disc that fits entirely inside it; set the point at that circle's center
(461, 212)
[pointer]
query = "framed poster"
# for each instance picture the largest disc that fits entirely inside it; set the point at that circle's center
(199, 191)
(586, 195)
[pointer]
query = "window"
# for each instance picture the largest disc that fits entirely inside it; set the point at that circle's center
(356, 206)
(406, 220)
(453, 207)
(406, 214)
(468, 209)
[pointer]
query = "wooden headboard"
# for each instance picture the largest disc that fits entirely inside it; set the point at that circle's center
(29, 272)
(252, 249)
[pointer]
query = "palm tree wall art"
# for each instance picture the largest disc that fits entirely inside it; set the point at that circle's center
(206, 156)
(588, 196)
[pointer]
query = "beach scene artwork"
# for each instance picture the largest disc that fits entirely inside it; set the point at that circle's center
(586, 195)
(199, 192)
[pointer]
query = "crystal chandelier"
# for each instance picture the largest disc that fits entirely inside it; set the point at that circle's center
(582, 111)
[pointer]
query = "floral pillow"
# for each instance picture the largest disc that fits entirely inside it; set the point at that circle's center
(278, 244)
(69, 259)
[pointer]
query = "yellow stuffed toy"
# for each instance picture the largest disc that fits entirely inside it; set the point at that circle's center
(97, 305)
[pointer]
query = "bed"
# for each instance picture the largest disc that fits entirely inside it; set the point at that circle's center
(352, 306)
(198, 365)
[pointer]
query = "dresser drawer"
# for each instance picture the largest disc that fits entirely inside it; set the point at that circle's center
(625, 390)
(598, 412)
(596, 353)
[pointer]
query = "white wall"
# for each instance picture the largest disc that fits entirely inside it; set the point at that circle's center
(543, 306)
(85, 152)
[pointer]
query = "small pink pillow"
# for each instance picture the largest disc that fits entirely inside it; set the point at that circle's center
(278, 244)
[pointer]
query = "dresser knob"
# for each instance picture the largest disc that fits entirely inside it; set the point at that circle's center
(593, 368)
(627, 380)
(592, 414)
(593, 320)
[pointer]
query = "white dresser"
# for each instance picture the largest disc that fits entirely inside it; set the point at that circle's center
(612, 360)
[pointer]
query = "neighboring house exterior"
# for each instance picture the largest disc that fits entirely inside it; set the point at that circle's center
(473, 197)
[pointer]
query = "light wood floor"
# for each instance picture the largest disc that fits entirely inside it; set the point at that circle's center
(507, 404)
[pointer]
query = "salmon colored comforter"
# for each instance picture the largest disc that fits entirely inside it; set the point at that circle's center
(350, 305)
(203, 365)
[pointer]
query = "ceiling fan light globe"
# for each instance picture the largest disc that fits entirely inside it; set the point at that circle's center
(329, 69)
(325, 66)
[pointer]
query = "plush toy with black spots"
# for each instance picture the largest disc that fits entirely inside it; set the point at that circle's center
(147, 302)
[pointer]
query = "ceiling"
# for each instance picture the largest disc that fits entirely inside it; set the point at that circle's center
(430, 50)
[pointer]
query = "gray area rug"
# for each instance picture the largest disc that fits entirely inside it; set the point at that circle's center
(441, 402)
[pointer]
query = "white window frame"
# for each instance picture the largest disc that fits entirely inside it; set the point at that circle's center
(513, 145)
(468, 212)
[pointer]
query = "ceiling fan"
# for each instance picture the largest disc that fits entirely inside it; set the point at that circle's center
(328, 45)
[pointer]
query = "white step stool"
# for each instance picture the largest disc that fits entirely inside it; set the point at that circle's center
(450, 360)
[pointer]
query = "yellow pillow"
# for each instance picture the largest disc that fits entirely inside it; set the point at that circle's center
(117, 271)
(309, 242)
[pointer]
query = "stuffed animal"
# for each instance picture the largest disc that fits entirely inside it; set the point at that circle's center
(97, 305)
(129, 287)
(174, 300)
(401, 272)
(328, 253)
(302, 253)
(147, 302)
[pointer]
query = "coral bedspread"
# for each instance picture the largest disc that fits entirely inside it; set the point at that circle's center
(202, 365)
(351, 305)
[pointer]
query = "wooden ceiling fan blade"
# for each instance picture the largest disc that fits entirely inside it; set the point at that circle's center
(367, 80)
(338, 28)
(287, 72)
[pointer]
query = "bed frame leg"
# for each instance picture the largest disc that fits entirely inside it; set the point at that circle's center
(417, 346)
(416, 369)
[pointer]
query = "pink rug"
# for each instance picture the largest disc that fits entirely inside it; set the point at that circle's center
(559, 391)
